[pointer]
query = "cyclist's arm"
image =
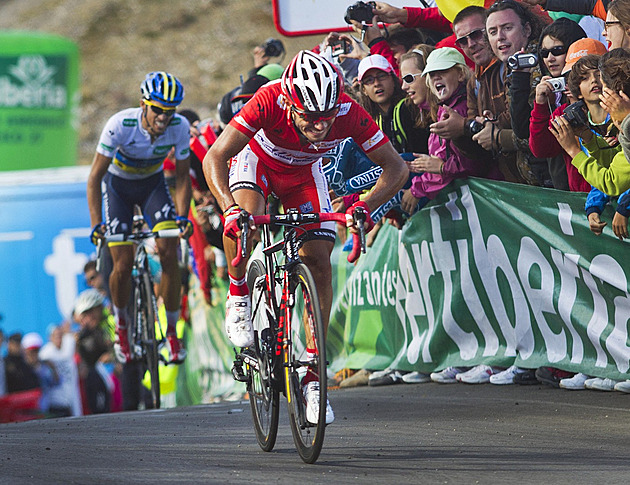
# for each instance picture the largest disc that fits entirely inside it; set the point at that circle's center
(94, 194)
(216, 164)
(395, 174)
(183, 189)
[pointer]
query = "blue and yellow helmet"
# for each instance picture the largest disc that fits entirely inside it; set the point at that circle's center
(163, 88)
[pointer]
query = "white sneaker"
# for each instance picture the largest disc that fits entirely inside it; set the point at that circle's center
(311, 396)
(415, 377)
(447, 376)
(477, 375)
(506, 377)
(575, 383)
(603, 384)
(238, 321)
(623, 386)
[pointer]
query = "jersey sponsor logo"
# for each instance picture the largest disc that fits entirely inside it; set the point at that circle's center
(107, 147)
(239, 119)
(185, 152)
(162, 150)
(130, 122)
(373, 141)
(264, 180)
(306, 207)
(175, 121)
(344, 109)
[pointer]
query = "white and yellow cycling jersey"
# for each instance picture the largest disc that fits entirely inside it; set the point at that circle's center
(134, 155)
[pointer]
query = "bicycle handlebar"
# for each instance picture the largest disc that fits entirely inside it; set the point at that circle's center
(298, 219)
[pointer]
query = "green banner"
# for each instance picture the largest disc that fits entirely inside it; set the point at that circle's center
(492, 273)
(39, 101)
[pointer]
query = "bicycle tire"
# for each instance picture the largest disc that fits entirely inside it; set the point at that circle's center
(149, 341)
(308, 437)
(264, 397)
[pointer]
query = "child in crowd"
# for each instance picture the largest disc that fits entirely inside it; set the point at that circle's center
(446, 76)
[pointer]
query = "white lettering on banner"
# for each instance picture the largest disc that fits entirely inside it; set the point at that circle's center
(616, 343)
(64, 265)
(599, 320)
(368, 289)
(471, 297)
(541, 298)
(425, 272)
(569, 275)
(444, 261)
(488, 259)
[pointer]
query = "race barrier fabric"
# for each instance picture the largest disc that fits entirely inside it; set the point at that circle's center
(489, 272)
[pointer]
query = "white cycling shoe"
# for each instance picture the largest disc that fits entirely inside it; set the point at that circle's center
(238, 321)
(311, 396)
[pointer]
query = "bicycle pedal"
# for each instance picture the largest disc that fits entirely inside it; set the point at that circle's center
(237, 371)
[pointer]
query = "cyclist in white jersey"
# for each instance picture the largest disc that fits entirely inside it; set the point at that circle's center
(127, 171)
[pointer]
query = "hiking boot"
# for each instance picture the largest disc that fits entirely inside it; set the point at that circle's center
(176, 351)
(311, 397)
(551, 376)
(238, 321)
(526, 378)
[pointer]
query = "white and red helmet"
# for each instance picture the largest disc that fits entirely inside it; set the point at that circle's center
(311, 83)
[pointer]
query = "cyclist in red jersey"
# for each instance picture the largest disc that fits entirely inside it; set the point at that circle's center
(274, 145)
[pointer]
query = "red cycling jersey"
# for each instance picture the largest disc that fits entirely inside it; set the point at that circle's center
(266, 118)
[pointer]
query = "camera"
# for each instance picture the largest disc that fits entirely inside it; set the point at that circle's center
(473, 126)
(522, 61)
(558, 84)
(340, 46)
(361, 12)
(273, 47)
(575, 114)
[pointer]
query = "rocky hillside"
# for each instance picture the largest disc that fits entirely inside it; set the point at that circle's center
(206, 43)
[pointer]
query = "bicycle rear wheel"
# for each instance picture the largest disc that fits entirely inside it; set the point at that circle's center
(264, 397)
(305, 313)
(149, 341)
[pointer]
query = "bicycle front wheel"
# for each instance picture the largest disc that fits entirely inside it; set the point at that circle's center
(149, 341)
(305, 331)
(264, 397)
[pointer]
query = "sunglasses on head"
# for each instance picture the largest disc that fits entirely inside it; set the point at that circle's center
(409, 78)
(316, 116)
(475, 36)
(158, 110)
(556, 51)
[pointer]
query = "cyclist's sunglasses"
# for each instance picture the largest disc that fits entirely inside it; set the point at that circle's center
(316, 116)
(158, 110)
(556, 51)
(475, 36)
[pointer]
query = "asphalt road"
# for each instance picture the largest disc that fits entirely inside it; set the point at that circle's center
(425, 433)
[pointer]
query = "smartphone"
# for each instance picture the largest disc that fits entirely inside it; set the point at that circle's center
(340, 46)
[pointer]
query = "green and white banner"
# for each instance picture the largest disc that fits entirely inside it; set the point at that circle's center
(489, 272)
(493, 273)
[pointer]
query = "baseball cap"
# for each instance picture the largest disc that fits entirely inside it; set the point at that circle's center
(271, 71)
(32, 340)
(375, 61)
(581, 48)
(442, 59)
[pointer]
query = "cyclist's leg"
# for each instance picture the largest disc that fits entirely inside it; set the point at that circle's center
(118, 207)
(246, 183)
(159, 211)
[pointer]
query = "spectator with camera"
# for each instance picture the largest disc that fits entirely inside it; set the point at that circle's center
(542, 143)
(604, 168)
(555, 40)
(358, 15)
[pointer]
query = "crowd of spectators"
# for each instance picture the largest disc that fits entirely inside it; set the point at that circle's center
(528, 91)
